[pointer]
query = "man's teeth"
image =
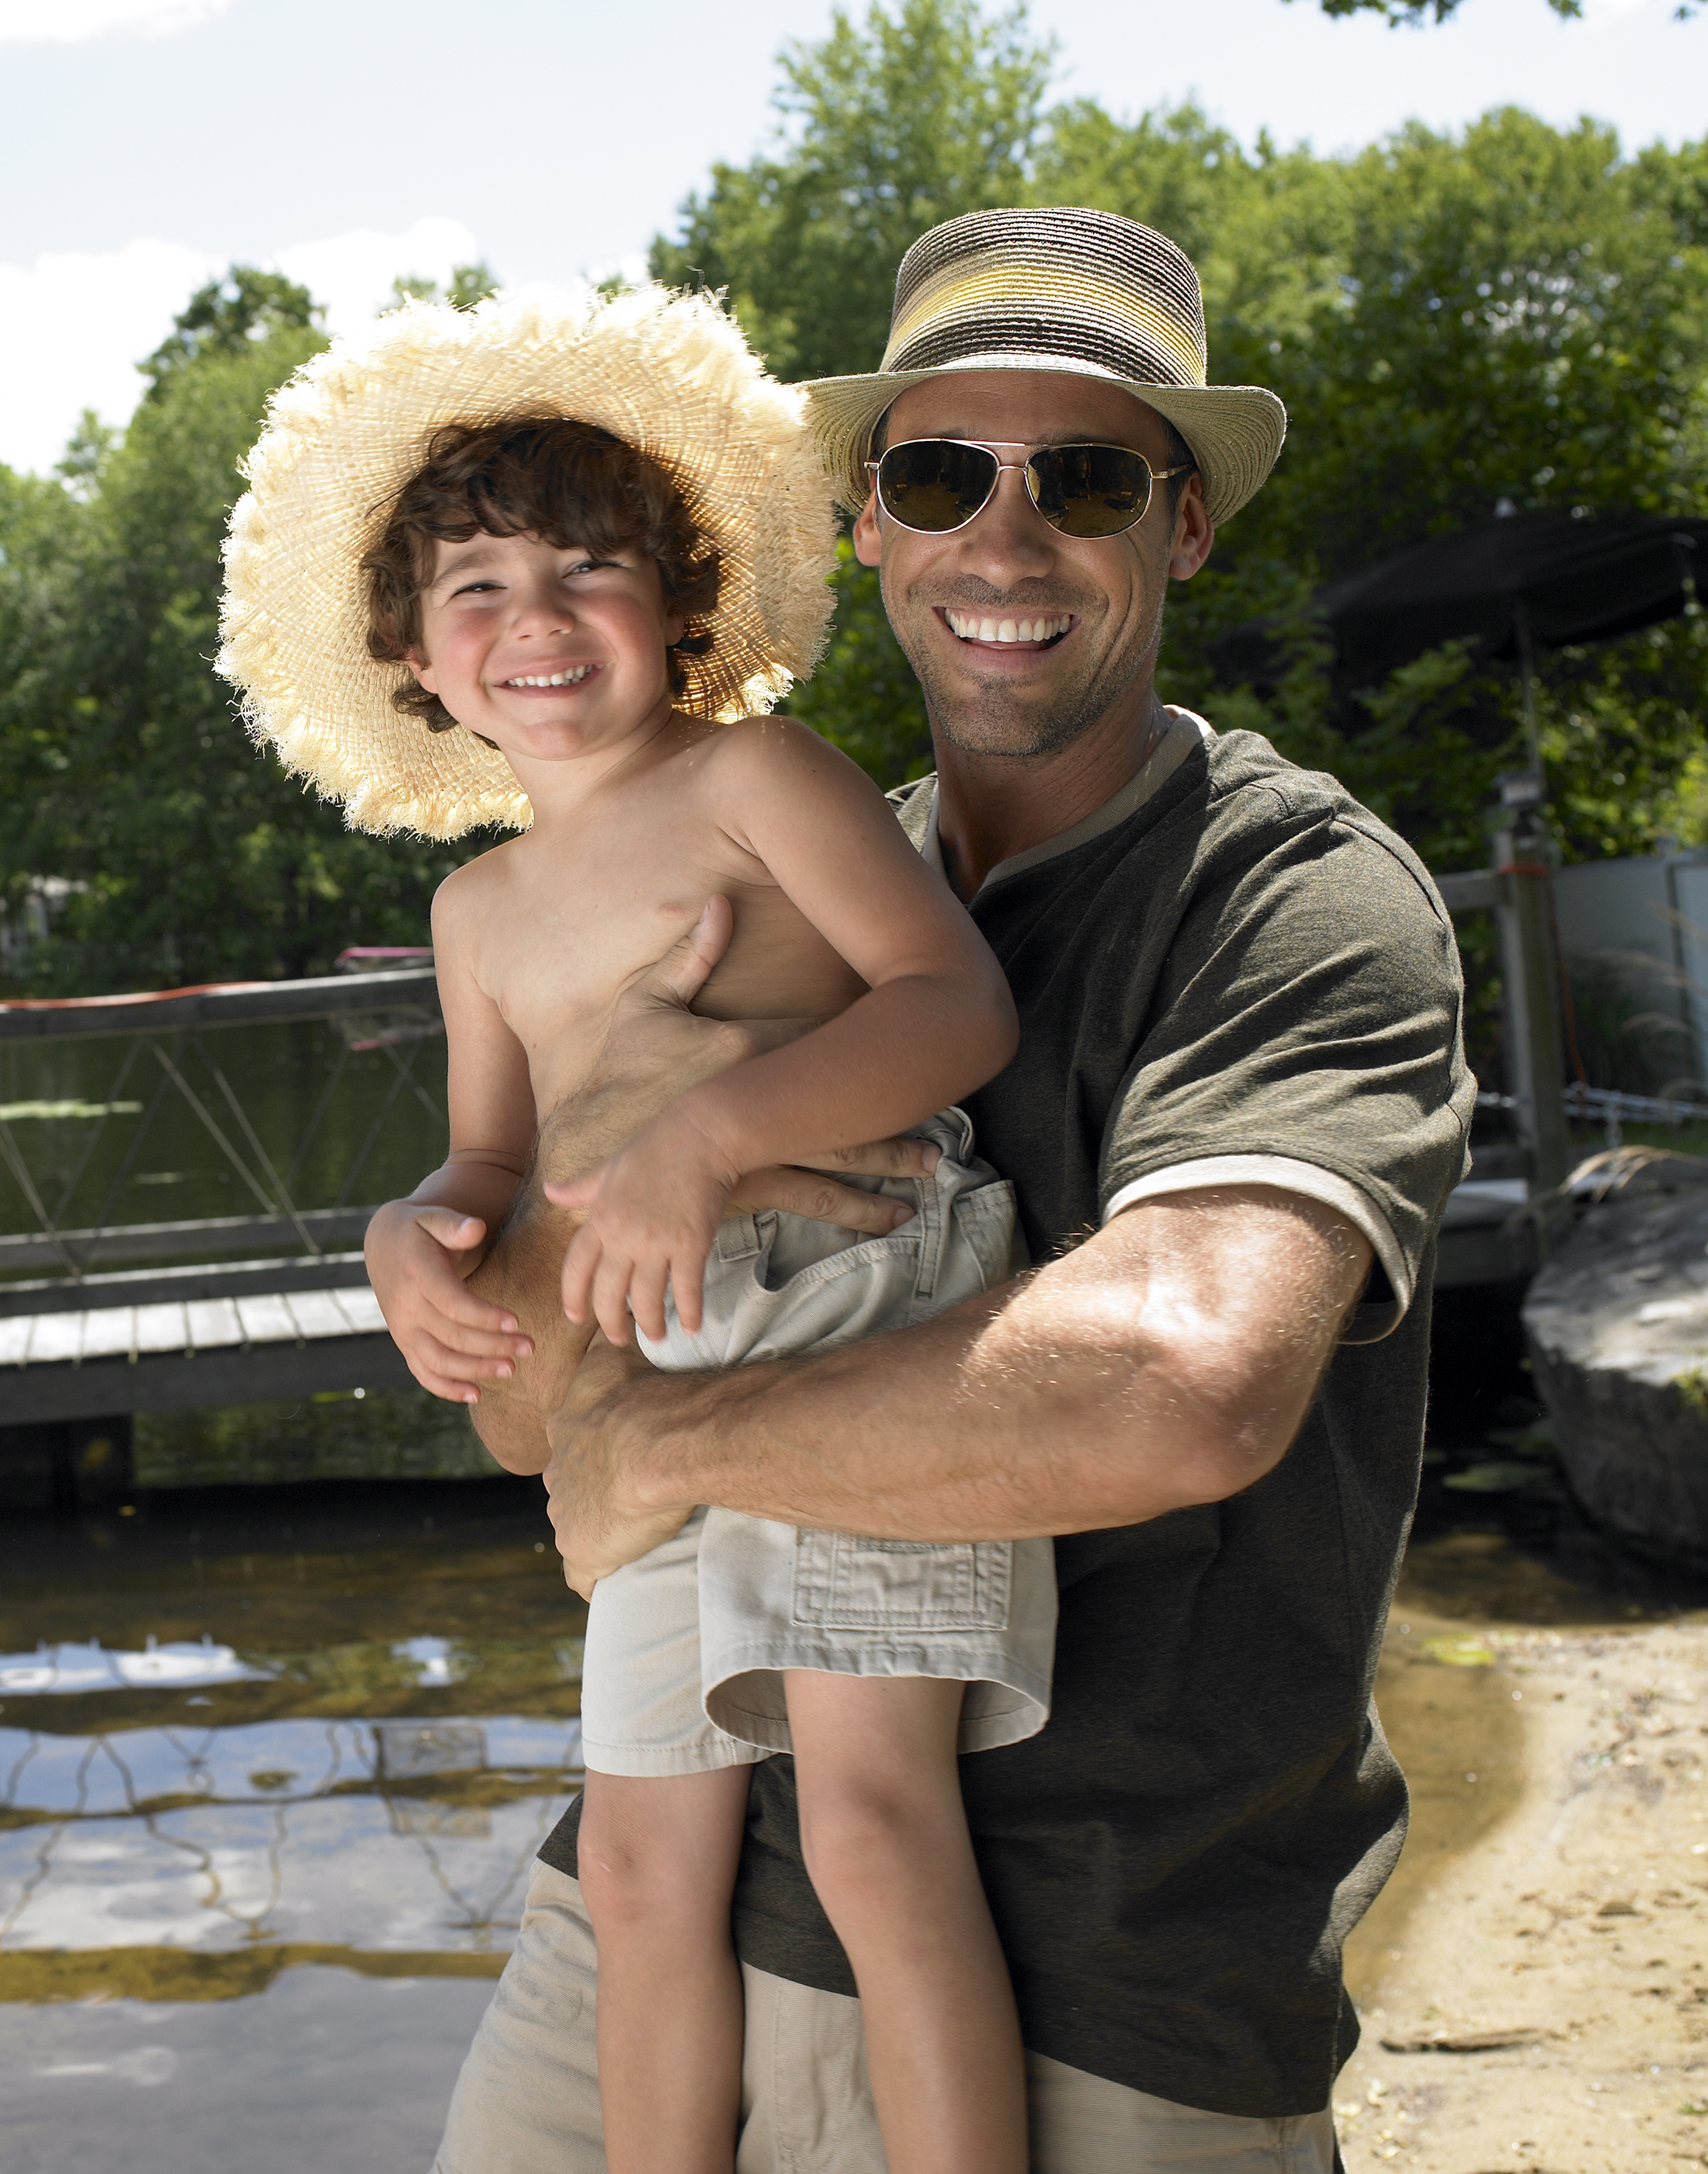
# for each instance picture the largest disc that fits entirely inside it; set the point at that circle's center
(971, 629)
(556, 679)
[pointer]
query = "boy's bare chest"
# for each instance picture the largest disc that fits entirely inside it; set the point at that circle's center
(570, 927)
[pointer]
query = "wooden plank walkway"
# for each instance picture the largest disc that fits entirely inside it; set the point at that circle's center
(176, 1338)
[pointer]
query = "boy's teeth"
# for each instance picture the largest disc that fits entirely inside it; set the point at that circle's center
(555, 680)
(971, 629)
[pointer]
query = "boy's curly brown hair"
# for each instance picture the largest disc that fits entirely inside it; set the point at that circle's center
(567, 482)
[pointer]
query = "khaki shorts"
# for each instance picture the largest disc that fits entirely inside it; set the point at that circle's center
(687, 1648)
(528, 2100)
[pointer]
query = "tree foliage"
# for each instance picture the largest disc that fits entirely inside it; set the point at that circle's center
(886, 129)
(1513, 311)
(121, 765)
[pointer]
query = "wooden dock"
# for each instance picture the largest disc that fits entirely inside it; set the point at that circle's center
(171, 1340)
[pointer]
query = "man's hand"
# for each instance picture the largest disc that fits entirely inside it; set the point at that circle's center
(654, 1048)
(418, 1258)
(598, 1525)
(1167, 1361)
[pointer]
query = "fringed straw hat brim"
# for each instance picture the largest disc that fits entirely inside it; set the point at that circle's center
(668, 374)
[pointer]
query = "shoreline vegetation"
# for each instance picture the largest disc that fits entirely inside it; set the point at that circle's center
(1512, 311)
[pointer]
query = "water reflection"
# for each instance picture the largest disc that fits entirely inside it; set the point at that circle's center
(412, 1835)
(274, 1766)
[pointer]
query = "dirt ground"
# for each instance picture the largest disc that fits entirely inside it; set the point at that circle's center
(1533, 1983)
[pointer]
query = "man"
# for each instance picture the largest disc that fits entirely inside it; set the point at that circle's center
(1238, 1107)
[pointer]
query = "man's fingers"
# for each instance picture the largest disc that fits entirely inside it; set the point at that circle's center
(820, 1199)
(682, 972)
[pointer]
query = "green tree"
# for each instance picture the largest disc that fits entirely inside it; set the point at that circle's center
(121, 764)
(884, 130)
(1513, 311)
(229, 316)
(468, 283)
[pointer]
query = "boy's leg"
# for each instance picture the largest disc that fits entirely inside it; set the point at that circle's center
(658, 1856)
(885, 1840)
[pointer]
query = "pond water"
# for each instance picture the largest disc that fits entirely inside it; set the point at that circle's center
(274, 1764)
(275, 1761)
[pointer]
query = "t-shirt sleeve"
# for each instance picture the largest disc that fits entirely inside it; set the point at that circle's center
(1308, 1021)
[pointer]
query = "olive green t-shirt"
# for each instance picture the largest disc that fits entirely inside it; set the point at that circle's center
(1230, 972)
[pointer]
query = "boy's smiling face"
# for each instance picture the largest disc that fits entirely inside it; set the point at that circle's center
(550, 651)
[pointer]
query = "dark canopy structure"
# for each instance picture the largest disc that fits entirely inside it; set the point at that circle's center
(1557, 578)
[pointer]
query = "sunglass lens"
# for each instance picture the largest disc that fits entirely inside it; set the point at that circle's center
(935, 486)
(1089, 490)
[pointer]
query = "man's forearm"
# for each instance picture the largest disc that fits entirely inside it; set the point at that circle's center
(1146, 1372)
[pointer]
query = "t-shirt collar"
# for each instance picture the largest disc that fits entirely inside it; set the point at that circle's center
(1185, 731)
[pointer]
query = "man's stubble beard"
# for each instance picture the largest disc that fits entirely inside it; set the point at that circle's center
(1017, 728)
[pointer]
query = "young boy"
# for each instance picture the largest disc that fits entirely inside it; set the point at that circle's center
(570, 535)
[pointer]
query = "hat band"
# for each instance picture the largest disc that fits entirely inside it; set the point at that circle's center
(1007, 302)
(1111, 353)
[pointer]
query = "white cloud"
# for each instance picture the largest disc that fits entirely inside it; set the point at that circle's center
(76, 329)
(70, 22)
(352, 272)
(76, 326)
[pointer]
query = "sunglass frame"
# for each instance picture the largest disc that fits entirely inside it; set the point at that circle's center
(994, 447)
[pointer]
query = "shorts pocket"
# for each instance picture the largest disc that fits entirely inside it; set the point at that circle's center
(984, 1222)
(844, 1583)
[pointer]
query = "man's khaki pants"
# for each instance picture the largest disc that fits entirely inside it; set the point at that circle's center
(527, 2101)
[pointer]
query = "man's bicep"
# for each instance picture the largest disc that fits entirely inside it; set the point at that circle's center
(1312, 1018)
(1239, 1293)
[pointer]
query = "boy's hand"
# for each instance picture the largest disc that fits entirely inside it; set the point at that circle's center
(653, 1212)
(418, 1258)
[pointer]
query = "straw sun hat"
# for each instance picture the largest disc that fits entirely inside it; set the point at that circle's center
(668, 374)
(1080, 292)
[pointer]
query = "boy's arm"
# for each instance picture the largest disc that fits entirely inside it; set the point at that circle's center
(421, 1250)
(509, 1310)
(936, 1021)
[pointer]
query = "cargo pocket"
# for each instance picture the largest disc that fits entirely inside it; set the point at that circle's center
(842, 1583)
(984, 1222)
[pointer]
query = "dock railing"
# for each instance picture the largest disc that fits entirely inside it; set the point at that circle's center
(170, 1058)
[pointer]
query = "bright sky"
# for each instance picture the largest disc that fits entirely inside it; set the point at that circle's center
(148, 144)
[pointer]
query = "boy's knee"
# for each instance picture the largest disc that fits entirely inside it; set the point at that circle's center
(857, 1839)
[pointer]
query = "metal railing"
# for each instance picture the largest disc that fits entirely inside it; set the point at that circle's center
(172, 1060)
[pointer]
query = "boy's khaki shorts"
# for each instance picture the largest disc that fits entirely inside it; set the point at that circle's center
(687, 1648)
(528, 2100)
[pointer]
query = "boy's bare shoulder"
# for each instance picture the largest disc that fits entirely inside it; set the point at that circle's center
(753, 753)
(468, 894)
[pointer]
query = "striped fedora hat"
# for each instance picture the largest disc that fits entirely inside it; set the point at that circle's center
(1058, 288)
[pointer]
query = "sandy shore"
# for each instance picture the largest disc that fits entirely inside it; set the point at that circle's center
(1534, 1982)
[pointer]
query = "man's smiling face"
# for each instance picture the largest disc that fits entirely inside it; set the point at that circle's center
(1022, 637)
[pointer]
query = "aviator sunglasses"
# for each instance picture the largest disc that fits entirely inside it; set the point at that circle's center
(935, 485)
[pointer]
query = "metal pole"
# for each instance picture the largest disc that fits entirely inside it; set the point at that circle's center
(1527, 666)
(1533, 1026)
